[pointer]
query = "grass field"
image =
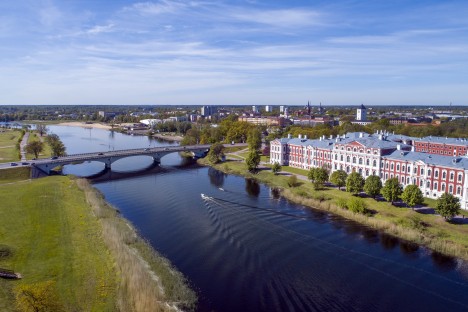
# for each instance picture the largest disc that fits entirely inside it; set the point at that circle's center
(429, 230)
(53, 236)
(59, 229)
(8, 140)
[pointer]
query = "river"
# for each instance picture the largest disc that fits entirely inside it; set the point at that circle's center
(244, 248)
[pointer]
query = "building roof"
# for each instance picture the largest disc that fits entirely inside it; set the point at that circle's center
(362, 106)
(430, 159)
(442, 140)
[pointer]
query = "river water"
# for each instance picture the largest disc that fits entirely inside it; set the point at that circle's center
(244, 248)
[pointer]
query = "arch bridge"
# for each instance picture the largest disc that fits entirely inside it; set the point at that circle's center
(46, 165)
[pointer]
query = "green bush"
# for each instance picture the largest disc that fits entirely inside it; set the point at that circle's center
(342, 203)
(357, 205)
(292, 181)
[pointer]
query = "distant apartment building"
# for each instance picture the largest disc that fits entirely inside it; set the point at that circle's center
(282, 109)
(107, 114)
(381, 154)
(268, 108)
(207, 111)
(254, 109)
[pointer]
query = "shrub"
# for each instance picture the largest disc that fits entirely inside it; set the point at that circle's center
(342, 203)
(292, 181)
(357, 205)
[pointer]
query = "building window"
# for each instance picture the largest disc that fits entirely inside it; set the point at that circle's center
(360, 161)
(435, 186)
(347, 158)
(374, 163)
(341, 157)
(367, 173)
(354, 160)
(409, 169)
(460, 177)
(367, 162)
(443, 187)
(452, 175)
(458, 190)
(428, 172)
(386, 176)
(336, 157)
(436, 173)
(444, 175)
(386, 165)
(451, 189)
(428, 184)
(398, 167)
(420, 183)
(422, 171)
(403, 168)
(391, 168)
(403, 180)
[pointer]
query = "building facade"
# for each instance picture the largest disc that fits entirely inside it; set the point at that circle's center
(381, 154)
(442, 146)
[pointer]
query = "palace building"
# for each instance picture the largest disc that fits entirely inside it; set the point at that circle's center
(385, 155)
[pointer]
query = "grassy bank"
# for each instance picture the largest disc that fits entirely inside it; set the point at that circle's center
(46, 152)
(425, 229)
(59, 231)
(147, 282)
(9, 144)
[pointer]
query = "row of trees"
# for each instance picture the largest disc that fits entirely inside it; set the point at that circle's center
(53, 140)
(447, 205)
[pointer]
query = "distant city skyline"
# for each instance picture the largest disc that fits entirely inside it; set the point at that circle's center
(234, 52)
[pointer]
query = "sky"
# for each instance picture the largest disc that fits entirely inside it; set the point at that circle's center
(249, 52)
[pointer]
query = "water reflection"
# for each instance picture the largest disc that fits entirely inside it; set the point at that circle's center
(443, 262)
(275, 193)
(409, 249)
(388, 241)
(252, 187)
(216, 177)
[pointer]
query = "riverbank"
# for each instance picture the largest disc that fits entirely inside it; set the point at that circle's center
(85, 125)
(62, 235)
(424, 229)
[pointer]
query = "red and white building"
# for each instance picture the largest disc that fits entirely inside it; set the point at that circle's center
(384, 155)
(442, 146)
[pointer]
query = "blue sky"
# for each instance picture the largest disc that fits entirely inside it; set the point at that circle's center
(233, 52)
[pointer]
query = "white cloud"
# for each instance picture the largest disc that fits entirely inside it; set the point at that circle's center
(286, 18)
(101, 29)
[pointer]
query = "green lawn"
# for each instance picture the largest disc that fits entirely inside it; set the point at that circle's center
(430, 230)
(8, 140)
(46, 152)
(53, 236)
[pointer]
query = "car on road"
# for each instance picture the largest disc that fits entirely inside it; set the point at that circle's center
(54, 157)
(13, 164)
(100, 153)
(147, 149)
(25, 163)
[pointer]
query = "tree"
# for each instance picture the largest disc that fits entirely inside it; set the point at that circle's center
(35, 147)
(57, 146)
(318, 177)
(254, 139)
(372, 186)
(412, 196)
(38, 297)
(447, 206)
(252, 160)
(276, 168)
(392, 190)
(215, 153)
(338, 178)
(42, 129)
(354, 183)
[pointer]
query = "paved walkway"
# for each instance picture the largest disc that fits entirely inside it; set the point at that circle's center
(23, 144)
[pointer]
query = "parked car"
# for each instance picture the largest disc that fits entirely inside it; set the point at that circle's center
(13, 164)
